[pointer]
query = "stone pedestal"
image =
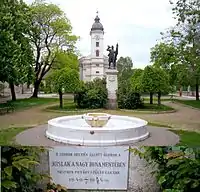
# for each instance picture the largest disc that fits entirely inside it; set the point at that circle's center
(112, 86)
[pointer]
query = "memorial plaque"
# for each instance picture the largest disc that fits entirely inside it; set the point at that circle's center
(90, 167)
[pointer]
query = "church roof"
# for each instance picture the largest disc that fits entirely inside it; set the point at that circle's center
(97, 25)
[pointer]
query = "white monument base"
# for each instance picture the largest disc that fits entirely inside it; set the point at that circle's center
(112, 86)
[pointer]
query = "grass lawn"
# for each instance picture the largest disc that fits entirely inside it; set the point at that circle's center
(155, 99)
(7, 135)
(192, 103)
(155, 107)
(187, 138)
(70, 106)
(28, 103)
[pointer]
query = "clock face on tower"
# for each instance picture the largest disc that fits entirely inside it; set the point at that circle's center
(97, 37)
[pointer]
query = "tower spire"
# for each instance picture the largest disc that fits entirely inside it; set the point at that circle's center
(97, 25)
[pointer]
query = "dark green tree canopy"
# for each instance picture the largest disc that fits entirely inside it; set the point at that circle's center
(16, 53)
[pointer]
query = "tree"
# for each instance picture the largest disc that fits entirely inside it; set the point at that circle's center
(155, 80)
(187, 15)
(16, 54)
(125, 71)
(169, 57)
(124, 63)
(124, 67)
(161, 82)
(50, 32)
(64, 77)
(136, 81)
(166, 56)
(148, 81)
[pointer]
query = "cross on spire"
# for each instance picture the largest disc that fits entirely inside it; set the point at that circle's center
(97, 12)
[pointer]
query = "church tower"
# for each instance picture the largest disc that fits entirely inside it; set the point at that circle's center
(97, 37)
(94, 65)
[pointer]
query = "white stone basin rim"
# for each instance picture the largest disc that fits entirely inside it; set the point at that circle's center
(134, 123)
(119, 130)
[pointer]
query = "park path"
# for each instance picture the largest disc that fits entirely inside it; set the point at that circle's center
(28, 117)
(184, 118)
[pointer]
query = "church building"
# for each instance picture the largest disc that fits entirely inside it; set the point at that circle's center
(95, 64)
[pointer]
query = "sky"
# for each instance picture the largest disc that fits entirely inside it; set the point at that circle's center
(134, 24)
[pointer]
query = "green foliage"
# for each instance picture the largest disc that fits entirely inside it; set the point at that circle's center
(66, 78)
(124, 67)
(52, 187)
(182, 50)
(16, 54)
(92, 94)
(129, 100)
(166, 55)
(17, 164)
(155, 80)
(136, 81)
(148, 80)
(50, 32)
(124, 63)
(178, 168)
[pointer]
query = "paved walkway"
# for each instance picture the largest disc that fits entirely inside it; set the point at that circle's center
(184, 118)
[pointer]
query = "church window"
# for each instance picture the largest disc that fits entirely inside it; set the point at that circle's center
(97, 44)
(97, 65)
(97, 53)
(97, 71)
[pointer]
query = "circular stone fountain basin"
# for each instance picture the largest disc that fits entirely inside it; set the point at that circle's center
(118, 131)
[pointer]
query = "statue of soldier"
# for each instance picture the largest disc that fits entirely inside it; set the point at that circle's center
(112, 56)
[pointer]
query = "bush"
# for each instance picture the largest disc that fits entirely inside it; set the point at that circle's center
(52, 187)
(178, 168)
(92, 95)
(128, 99)
(17, 168)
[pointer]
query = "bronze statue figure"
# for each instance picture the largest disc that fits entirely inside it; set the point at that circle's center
(112, 56)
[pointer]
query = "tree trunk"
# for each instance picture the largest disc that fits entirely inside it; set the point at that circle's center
(22, 88)
(151, 98)
(36, 89)
(60, 98)
(197, 92)
(12, 90)
(159, 98)
(180, 92)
